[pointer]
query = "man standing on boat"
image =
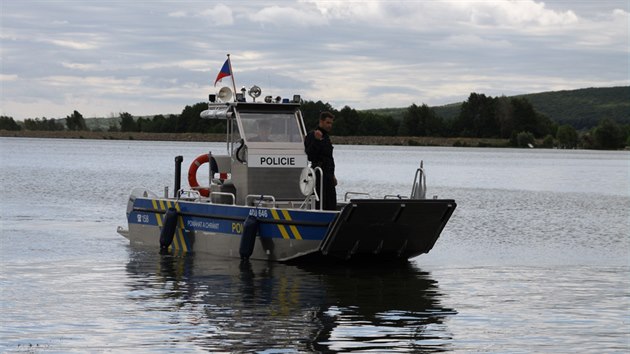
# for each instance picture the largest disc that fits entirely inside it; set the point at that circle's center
(319, 150)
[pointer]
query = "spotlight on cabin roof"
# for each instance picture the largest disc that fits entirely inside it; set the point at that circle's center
(254, 92)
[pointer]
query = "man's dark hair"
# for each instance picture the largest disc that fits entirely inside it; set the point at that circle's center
(326, 114)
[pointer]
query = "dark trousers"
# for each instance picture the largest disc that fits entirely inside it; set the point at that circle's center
(329, 199)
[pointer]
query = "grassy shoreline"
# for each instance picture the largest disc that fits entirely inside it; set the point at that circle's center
(199, 137)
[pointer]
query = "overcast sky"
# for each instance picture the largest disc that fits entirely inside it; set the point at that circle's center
(150, 57)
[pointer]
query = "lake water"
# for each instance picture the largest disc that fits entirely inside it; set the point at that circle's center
(534, 259)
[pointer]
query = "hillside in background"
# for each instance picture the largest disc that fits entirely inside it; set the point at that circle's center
(585, 107)
(582, 108)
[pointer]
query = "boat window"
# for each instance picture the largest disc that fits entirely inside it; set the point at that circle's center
(271, 127)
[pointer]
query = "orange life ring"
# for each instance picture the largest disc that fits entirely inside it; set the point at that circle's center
(192, 173)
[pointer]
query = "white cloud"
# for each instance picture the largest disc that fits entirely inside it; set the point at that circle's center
(351, 10)
(73, 44)
(515, 14)
(219, 15)
(178, 14)
(96, 82)
(4, 77)
(283, 15)
(468, 40)
(425, 15)
(190, 64)
(79, 66)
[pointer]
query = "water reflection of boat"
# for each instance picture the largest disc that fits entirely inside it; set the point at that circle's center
(243, 306)
(268, 181)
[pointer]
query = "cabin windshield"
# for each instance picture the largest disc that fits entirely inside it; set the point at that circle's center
(280, 127)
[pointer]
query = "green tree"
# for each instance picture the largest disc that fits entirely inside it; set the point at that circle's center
(372, 124)
(476, 117)
(155, 125)
(410, 121)
(430, 123)
(567, 137)
(42, 124)
(528, 120)
(7, 123)
(190, 121)
(524, 139)
(32, 124)
(504, 116)
(347, 122)
(127, 123)
(608, 135)
(548, 141)
(486, 117)
(170, 124)
(421, 121)
(75, 121)
(311, 110)
(524, 115)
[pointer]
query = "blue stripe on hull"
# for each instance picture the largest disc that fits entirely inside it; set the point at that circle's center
(228, 219)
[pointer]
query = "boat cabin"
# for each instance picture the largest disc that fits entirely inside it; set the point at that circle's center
(265, 148)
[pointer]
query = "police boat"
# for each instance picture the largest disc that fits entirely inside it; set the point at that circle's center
(261, 199)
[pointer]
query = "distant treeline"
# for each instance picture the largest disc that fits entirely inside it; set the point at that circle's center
(480, 116)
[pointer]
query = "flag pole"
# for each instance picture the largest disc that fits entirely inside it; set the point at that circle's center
(232, 72)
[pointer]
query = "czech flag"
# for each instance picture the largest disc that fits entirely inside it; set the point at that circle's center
(225, 71)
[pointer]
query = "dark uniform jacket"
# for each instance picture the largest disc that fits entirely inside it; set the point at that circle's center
(320, 152)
